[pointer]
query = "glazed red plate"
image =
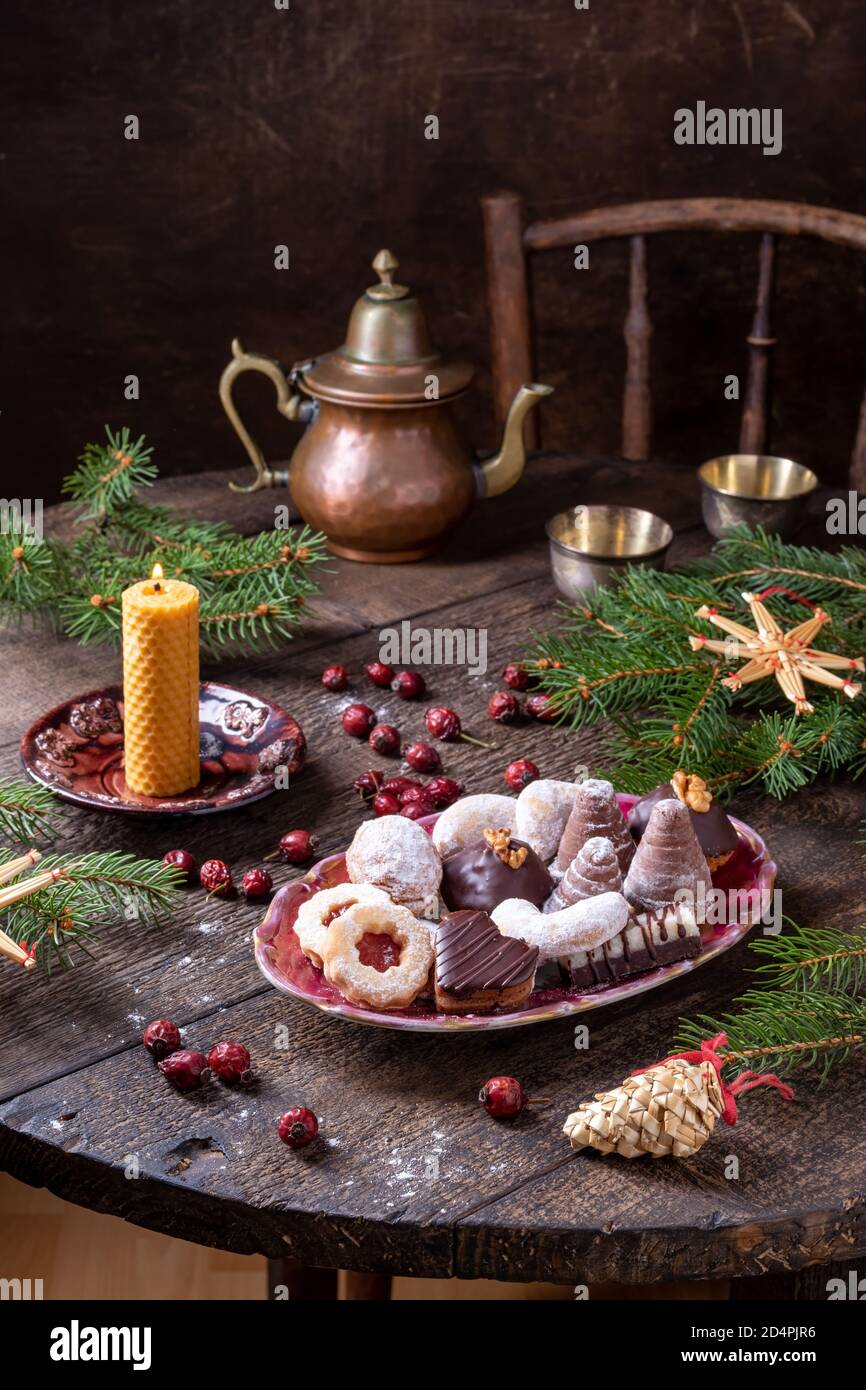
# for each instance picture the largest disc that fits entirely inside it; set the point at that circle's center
(76, 750)
(750, 871)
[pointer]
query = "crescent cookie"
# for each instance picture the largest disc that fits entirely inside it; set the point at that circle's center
(465, 822)
(394, 988)
(581, 927)
(316, 914)
(397, 855)
(543, 809)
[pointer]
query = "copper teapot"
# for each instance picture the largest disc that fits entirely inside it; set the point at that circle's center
(380, 467)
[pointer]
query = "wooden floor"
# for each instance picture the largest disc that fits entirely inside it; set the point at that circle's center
(79, 1254)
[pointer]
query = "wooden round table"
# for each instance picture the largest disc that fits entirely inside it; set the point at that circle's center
(410, 1175)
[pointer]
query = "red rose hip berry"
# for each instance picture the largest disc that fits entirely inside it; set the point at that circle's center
(443, 790)
(520, 773)
(368, 784)
(503, 1097)
(358, 720)
(409, 794)
(297, 847)
(385, 739)
(515, 676)
(379, 674)
(541, 707)
(415, 810)
(385, 804)
(397, 785)
(161, 1037)
(335, 678)
(230, 1061)
(297, 1127)
(422, 757)
(409, 685)
(443, 723)
(215, 876)
(185, 1070)
(503, 707)
(257, 883)
(180, 859)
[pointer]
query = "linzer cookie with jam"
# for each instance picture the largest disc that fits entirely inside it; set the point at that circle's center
(493, 869)
(716, 835)
(479, 969)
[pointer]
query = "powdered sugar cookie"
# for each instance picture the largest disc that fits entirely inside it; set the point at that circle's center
(580, 927)
(397, 855)
(316, 914)
(394, 987)
(465, 822)
(542, 813)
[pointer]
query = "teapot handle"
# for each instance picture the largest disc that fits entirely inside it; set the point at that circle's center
(290, 403)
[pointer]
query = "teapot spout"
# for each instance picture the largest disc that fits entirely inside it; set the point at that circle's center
(503, 470)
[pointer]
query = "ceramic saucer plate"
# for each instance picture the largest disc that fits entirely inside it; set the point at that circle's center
(76, 750)
(750, 870)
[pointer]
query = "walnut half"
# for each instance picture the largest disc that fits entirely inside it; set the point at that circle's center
(692, 791)
(500, 842)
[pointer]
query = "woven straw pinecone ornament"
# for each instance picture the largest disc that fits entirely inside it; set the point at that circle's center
(670, 1108)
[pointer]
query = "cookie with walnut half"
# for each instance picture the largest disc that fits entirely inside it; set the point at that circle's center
(716, 835)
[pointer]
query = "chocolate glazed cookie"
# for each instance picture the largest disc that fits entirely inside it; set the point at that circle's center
(478, 969)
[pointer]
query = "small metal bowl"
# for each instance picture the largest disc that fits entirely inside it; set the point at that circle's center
(755, 488)
(591, 546)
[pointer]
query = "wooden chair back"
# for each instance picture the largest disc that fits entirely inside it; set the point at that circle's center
(510, 239)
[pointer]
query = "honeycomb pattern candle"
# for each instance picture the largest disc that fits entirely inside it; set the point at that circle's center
(160, 686)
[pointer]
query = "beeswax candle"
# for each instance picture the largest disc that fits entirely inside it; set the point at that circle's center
(160, 686)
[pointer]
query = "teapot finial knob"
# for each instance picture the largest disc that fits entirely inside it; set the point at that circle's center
(385, 266)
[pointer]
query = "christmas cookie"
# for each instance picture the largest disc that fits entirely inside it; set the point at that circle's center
(316, 914)
(595, 812)
(716, 835)
(668, 861)
(397, 855)
(479, 969)
(464, 823)
(542, 813)
(649, 940)
(496, 867)
(594, 869)
(580, 927)
(402, 960)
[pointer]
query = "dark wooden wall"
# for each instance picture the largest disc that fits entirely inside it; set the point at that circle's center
(306, 127)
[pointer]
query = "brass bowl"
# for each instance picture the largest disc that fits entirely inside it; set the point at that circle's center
(591, 546)
(757, 489)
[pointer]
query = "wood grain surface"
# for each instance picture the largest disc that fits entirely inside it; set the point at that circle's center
(410, 1175)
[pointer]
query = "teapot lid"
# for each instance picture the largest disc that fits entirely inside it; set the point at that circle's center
(388, 358)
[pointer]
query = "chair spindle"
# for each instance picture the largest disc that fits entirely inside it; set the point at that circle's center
(754, 424)
(637, 402)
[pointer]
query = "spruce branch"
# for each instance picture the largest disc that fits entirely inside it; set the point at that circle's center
(108, 474)
(26, 811)
(95, 891)
(626, 660)
(253, 588)
(811, 1012)
(781, 1030)
(807, 958)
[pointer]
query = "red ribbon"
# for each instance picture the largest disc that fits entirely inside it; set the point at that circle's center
(746, 1081)
(791, 593)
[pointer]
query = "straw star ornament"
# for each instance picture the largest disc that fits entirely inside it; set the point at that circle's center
(788, 656)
